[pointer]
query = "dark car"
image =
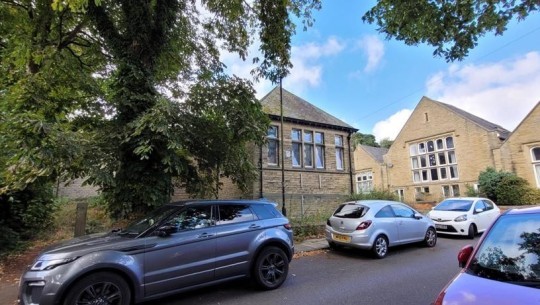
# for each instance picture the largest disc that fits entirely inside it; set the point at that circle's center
(505, 266)
(177, 247)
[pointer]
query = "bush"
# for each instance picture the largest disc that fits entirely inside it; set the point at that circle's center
(375, 194)
(532, 196)
(25, 214)
(512, 190)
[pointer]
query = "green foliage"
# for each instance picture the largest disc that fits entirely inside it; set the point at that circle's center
(452, 27)
(532, 196)
(512, 190)
(359, 138)
(505, 188)
(471, 192)
(25, 214)
(386, 143)
(375, 194)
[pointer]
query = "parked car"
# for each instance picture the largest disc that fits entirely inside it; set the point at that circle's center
(177, 247)
(464, 216)
(377, 225)
(505, 266)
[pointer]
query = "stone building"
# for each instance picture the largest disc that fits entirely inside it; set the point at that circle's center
(370, 171)
(520, 153)
(317, 156)
(438, 153)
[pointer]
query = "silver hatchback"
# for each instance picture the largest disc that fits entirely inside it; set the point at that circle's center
(179, 246)
(377, 225)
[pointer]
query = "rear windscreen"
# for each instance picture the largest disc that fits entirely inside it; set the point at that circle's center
(351, 211)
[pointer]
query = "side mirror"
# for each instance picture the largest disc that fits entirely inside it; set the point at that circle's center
(418, 216)
(464, 255)
(165, 230)
(478, 211)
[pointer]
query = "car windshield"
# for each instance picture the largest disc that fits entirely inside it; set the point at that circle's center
(141, 225)
(511, 251)
(351, 210)
(454, 205)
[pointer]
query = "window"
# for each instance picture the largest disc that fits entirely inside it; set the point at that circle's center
(339, 152)
(191, 218)
(402, 211)
(319, 149)
(273, 145)
(296, 136)
(234, 213)
(364, 182)
(536, 163)
(307, 149)
(450, 190)
(436, 158)
(400, 194)
(385, 212)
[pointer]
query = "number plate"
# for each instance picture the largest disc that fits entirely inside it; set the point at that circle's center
(442, 227)
(341, 238)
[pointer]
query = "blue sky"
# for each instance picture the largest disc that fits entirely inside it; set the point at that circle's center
(349, 70)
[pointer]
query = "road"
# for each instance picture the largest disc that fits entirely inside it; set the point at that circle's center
(408, 275)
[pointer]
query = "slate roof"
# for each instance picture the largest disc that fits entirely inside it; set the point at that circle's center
(503, 133)
(376, 153)
(296, 109)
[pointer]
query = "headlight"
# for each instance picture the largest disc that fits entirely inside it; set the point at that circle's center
(41, 265)
(461, 218)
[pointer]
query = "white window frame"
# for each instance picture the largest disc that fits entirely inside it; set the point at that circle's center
(340, 152)
(536, 165)
(275, 139)
(364, 182)
(428, 154)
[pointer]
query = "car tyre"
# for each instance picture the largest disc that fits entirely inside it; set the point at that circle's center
(380, 247)
(472, 231)
(271, 268)
(99, 288)
(430, 240)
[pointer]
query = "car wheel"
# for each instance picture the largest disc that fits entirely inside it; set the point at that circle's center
(271, 268)
(472, 231)
(99, 288)
(380, 247)
(430, 240)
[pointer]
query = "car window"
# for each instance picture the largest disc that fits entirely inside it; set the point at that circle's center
(265, 211)
(510, 252)
(191, 217)
(479, 205)
(488, 204)
(402, 211)
(454, 205)
(351, 210)
(385, 212)
(233, 213)
(153, 218)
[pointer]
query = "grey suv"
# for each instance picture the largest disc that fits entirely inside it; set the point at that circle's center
(177, 247)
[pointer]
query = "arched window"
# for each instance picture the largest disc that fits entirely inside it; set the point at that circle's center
(535, 156)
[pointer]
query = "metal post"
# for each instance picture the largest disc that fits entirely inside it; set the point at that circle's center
(283, 208)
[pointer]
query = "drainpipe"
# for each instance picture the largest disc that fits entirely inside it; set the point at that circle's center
(260, 172)
(350, 163)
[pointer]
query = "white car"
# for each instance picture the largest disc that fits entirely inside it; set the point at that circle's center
(464, 216)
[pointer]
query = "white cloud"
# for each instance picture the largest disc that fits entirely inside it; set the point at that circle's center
(307, 68)
(373, 48)
(390, 127)
(501, 92)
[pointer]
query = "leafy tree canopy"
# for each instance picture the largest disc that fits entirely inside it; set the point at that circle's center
(452, 27)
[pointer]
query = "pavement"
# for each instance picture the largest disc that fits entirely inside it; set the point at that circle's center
(8, 292)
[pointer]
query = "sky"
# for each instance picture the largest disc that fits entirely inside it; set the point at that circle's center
(346, 68)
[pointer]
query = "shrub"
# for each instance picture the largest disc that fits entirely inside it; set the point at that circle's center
(512, 190)
(488, 182)
(471, 192)
(532, 196)
(375, 194)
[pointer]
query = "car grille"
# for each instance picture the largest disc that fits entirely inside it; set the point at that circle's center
(448, 229)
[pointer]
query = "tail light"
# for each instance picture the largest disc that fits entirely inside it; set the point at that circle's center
(288, 226)
(364, 225)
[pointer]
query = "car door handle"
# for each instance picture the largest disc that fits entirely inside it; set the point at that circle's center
(205, 235)
(254, 226)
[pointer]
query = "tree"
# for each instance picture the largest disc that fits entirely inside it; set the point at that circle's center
(135, 96)
(452, 27)
(386, 143)
(359, 138)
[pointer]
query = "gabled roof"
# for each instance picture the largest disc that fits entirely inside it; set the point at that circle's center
(533, 110)
(295, 109)
(503, 133)
(376, 153)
